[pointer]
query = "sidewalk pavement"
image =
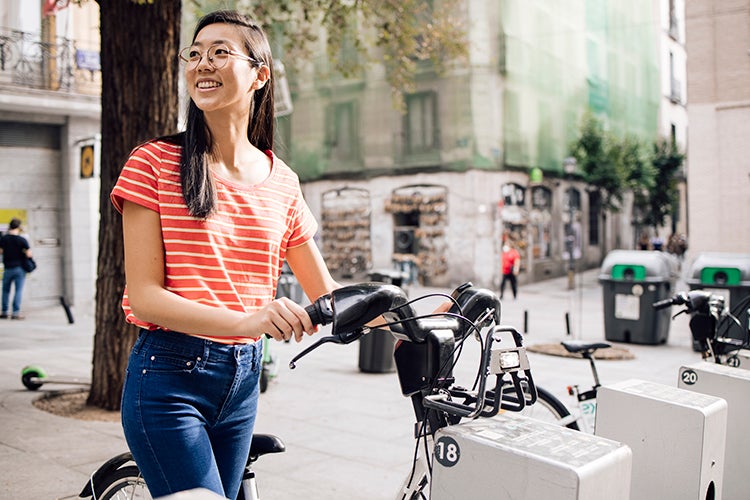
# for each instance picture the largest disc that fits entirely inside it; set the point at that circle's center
(348, 434)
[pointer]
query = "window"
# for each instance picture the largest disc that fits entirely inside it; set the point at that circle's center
(514, 195)
(342, 131)
(420, 126)
(540, 222)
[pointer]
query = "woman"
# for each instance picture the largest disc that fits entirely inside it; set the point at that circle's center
(209, 216)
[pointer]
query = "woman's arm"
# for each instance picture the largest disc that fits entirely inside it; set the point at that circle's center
(152, 302)
(310, 269)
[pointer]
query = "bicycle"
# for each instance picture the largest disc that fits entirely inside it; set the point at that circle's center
(708, 314)
(428, 348)
(550, 409)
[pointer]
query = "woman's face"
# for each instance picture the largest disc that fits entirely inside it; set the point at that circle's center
(230, 86)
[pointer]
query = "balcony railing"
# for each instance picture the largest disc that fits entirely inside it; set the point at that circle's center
(26, 62)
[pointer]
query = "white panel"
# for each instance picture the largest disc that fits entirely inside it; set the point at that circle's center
(515, 457)
(733, 385)
(677, 438)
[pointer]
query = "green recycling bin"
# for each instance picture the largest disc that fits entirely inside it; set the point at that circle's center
(632, 280)
(726, 274)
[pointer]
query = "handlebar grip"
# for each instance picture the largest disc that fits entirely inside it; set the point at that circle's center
(663, 304)
(320, 311)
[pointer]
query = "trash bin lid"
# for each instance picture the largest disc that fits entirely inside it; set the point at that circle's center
(638, 265)
(722, 269)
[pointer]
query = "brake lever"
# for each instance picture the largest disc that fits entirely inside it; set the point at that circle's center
(340, 338)
(683, 311)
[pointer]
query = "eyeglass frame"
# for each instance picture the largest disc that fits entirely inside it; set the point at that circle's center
(192, 65)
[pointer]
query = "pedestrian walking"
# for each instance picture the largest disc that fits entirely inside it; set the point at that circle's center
(15, 249)
(511, 266)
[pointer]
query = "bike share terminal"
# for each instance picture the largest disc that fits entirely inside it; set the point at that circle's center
(733, 385)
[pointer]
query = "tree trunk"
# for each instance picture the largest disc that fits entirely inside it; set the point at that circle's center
(139, 46)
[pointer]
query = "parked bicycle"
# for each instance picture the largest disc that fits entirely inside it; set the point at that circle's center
(708, 319)
(428, 348)
(707, 327)
(581, 417)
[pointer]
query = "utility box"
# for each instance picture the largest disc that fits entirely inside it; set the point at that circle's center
(726, 274)
(632, 280)
(733, 385)
(516, 457)
(677, 438)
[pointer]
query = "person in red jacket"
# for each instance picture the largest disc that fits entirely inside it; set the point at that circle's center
(511, 265)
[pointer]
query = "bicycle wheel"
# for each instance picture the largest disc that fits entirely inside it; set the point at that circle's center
(550, 409)
(123, 484)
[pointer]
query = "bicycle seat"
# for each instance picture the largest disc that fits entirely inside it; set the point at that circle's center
(577, 346)
(263, 444)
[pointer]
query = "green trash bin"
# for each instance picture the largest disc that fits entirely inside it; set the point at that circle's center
(632, 280)
(726, 274)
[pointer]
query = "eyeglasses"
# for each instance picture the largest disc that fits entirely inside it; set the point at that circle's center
(216, 55)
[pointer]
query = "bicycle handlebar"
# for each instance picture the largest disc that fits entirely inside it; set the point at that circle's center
(694, 301)
(677, 299)
(349, 309)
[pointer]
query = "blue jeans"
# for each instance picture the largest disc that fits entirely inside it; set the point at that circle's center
(188, 411)
(13, 275)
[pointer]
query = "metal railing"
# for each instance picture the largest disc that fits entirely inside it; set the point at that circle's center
(28, 62)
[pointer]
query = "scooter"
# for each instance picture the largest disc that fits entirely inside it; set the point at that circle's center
(33, 377)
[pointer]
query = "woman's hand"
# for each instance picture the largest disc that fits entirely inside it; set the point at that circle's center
(443, 308)
(282, 319)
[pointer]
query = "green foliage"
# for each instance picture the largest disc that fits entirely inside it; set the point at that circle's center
(404, 32)
(600, 159)
(614, 165)
(667, 161)
(640, 175)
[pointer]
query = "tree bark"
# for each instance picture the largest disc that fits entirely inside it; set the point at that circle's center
(139, 46)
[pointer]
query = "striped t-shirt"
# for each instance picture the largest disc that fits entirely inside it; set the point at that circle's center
(232, 259)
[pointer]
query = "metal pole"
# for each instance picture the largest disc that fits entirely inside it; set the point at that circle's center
(569, 166)
(571, 240)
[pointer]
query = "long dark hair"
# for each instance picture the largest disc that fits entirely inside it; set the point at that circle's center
(195, 176)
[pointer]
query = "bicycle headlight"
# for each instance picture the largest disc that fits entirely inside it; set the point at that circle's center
(509, 360)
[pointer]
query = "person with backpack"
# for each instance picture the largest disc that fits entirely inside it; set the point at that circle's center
(15, 250)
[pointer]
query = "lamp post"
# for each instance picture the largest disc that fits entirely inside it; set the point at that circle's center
(569, 165)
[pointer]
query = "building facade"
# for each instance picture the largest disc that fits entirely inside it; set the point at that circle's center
(50, 85)
(478, 154)
(718, 72)
(476, 157)
(673, 114)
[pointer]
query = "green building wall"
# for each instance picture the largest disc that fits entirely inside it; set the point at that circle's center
(561, 58)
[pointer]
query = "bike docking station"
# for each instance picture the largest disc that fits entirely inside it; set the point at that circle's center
(677, 438)
(516, 457)
(740, 359)
(733, 385)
